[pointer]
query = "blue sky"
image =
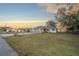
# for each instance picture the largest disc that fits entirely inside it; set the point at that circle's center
(23, 11)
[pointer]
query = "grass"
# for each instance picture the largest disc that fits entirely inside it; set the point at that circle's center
(45, 44)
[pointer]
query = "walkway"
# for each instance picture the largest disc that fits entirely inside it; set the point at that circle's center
(5, 49)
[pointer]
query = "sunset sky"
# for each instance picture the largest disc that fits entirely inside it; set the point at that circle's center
(27, 14)
(23, 15)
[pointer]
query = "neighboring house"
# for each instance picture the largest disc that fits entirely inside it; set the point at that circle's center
(21, 30)
(6, 29)
(50, 29)
(18, 30)
(41, 29)
(38, 29)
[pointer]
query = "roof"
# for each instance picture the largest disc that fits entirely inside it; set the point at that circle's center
(44, 27)
(39, 27)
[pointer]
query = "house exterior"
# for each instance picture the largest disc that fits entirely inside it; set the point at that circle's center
(50, 29)
(41, 29)
(38, 29)
(20, 30)
(6, 29)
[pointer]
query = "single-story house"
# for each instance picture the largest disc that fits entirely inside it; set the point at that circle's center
(38, 29)
(6, 29)
(22, 30)
(51, 29)
(41, 29)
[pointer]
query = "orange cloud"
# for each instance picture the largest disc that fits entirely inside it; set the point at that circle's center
(24, 23)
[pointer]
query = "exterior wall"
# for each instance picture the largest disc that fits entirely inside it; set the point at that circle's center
(36, 30)
(52, 31)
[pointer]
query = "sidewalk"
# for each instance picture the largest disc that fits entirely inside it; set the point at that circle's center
(5, 49)
(12, 34)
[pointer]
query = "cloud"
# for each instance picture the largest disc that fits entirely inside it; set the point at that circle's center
(53, 7)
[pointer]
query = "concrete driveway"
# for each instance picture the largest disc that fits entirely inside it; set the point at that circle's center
(5, 49)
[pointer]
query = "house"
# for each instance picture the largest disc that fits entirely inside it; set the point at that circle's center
(38, 29)
(21, 30)
(50, 29)
(18, 30)
(41, 29)
(6, 29)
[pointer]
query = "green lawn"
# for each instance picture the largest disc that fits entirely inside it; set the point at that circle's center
(45, 44)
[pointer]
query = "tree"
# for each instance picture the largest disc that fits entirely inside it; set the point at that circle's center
(51, 23)
(68, 16)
